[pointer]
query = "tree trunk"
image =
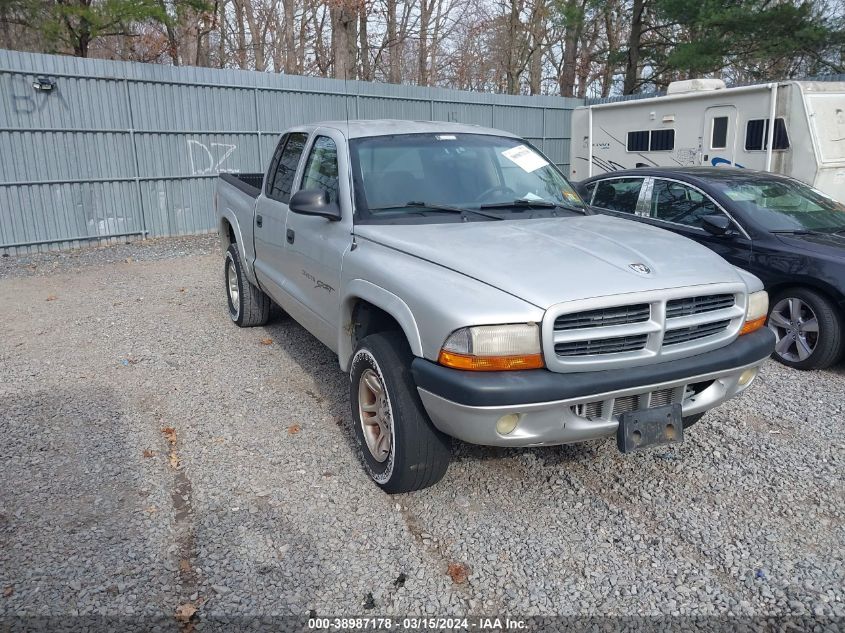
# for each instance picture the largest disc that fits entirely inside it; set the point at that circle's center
(393, 49)
(422, 52)
(364, 45)
(632, 63)
(344, 35)
(290, 46)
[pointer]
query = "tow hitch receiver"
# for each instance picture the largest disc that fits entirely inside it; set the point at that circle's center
(650, 427)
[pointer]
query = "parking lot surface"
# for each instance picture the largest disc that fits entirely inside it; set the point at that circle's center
(154, 455)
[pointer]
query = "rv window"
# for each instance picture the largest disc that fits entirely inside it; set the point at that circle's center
(638, 141)
(757, 135)
(662, 140)
(619, 194)
(719, 138)
(677, 203)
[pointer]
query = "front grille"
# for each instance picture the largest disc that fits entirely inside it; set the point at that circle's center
(627, 403)
(694, 332)
(602, 346)
(617, 315)
(696, 305)
(623, 404)
(661, 397)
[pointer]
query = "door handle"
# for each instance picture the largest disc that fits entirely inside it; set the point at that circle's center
(291, 236)
(258, 220)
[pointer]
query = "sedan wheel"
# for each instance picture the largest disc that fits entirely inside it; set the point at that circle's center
(796, 327)
(808, 328)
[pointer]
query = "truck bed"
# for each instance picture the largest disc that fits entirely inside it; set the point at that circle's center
(250, 184)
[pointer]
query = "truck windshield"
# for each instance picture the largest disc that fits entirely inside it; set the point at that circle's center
(410, 175)
(785, 206)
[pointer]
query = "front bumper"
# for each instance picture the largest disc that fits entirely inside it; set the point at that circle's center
(556, 408)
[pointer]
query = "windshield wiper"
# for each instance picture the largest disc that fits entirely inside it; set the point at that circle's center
(795, 232)
(532, 204)
(440, 208)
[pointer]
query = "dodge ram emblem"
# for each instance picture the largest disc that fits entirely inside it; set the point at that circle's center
(640, 268)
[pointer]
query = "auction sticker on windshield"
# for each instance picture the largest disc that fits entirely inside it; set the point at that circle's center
(525, 158)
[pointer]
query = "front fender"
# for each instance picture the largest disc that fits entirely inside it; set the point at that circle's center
(394, 306)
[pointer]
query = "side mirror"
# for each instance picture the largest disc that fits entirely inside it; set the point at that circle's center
(314, 202)
(716, 224)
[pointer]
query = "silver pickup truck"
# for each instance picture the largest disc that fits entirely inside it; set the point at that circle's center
(469, 292)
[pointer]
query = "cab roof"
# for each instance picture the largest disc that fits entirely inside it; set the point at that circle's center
(359, 128)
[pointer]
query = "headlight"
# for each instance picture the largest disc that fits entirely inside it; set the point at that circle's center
(758, 310)
(493, 348)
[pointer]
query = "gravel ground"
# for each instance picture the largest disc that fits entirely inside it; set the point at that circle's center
(155, 455)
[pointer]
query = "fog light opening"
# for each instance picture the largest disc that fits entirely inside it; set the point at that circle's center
(747, 376)
(507, 423)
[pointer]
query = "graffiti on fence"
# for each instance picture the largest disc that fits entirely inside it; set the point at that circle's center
(210, 158)
(29, 99)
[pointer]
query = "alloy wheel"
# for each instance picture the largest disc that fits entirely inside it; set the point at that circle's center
(796, 327)
(375, 415)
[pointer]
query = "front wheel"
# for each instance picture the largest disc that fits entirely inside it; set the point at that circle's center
(400, 447)
(808, 328)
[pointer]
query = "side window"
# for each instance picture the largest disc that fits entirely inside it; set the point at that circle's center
(274, 165)
(286, 167)
(619, 194)
(677, 203)
(757, 135)
(588, 191)
(662, 140)
(654, 141)
(719, 136)
(638, 141)
(321, 171)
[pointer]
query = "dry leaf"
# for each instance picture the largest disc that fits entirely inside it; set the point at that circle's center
(185, 612)
(169, 434)
(8, 591)
(174, 461)
(293, 429)
(218, 440)
(51, 297)
(152, 509)
(458, 572)
(184, 566)
(266, 341)
(128, 260)
(149, 453)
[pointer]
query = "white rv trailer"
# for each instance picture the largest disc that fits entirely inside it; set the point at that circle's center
(700, 122)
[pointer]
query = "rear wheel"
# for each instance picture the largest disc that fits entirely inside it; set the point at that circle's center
(248, 305)
(400, 447)
(808, 328)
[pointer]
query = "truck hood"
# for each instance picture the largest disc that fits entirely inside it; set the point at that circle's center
(551, 260)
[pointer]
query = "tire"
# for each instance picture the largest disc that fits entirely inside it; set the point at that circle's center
(692, 419)
(248, 305)
(808, 328)
(401, 449)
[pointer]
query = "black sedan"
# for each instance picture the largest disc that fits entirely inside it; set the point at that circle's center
(785, 232)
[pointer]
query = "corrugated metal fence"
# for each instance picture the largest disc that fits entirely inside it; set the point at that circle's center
(119, 150)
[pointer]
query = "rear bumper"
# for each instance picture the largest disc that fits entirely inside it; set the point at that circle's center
(551, 406)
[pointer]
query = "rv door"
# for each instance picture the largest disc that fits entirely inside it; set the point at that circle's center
(718, 138)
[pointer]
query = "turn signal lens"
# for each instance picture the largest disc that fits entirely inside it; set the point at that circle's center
(490, 363)
(752, 326)
(758, 310)
(493, 348)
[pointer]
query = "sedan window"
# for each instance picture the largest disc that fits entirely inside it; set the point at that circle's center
(618, 194)
(678, 203)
